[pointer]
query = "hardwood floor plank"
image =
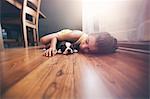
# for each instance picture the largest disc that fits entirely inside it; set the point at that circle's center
(48, 80)
(90, 82)
(26, 74)
(17, 67)
(123, 75)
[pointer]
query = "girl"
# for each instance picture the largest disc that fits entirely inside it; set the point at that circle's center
(93, 43)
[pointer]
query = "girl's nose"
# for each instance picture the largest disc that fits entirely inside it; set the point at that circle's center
(84, 46)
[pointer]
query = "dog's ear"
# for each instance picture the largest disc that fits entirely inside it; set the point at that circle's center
(60, 44)
(75, 46)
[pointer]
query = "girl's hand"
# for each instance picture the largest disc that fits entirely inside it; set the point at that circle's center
(50, 52)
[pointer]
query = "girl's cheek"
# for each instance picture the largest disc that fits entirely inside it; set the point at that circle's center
(82, 49)
(82, 46)
(85, 50)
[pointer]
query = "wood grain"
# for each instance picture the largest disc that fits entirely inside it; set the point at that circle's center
(26, 74)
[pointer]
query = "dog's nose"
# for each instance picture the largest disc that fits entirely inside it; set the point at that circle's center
(69, 51)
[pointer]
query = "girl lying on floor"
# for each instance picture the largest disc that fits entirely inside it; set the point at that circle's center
(95, 43)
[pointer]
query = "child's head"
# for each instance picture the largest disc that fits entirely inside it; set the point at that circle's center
(99, 43)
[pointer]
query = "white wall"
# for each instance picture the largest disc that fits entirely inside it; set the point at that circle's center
(127, 20)
(60, 14)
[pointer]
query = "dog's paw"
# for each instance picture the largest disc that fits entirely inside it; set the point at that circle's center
(59, 51)
(75, 51)
(44, 49)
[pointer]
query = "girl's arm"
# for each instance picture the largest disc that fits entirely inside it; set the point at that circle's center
(52, 40)
(47, 39)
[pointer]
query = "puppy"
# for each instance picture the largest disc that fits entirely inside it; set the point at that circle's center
(66, 48)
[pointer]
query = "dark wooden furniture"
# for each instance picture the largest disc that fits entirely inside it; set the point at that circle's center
(26, 73)
(13, 19)
(30, 19)
(18, 4)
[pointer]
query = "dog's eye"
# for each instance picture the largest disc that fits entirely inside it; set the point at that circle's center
(63, 46)
(72, 46)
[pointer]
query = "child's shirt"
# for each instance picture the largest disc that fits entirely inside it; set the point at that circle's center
(63, 34)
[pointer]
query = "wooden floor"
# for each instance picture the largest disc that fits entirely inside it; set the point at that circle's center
(26, 74)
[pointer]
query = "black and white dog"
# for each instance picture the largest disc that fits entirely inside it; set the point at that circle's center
(66, 48)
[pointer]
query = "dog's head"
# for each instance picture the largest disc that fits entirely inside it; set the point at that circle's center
(66, 48)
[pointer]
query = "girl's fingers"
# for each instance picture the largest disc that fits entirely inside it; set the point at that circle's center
(50, 52)
(55, 51)
(47, 53)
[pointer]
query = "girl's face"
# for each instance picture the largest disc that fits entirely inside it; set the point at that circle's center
(88, 45)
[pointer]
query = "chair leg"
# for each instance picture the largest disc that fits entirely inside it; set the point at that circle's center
(35, 37)
(25, 36)
(37, 34)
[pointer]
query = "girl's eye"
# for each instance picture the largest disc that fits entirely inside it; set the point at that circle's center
(87, 41)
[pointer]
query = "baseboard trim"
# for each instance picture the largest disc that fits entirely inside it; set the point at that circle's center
(134, 50)
(140, 46)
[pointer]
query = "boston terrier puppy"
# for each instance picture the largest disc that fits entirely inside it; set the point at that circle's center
(66, 48)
